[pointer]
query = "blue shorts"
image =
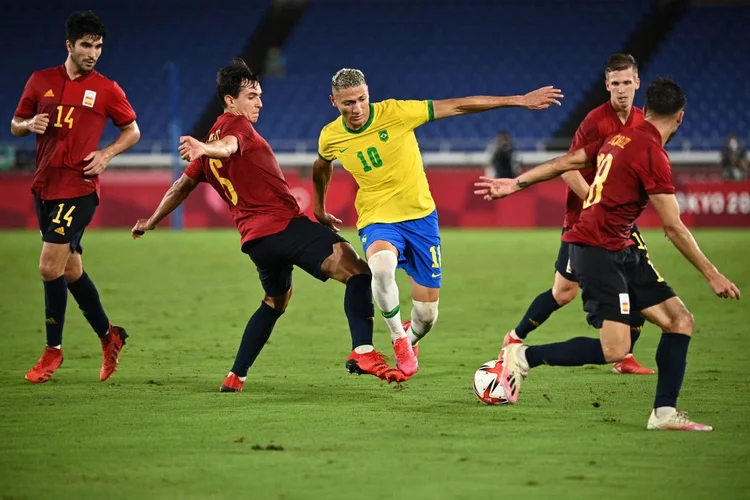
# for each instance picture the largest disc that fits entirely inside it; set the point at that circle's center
(418, 245)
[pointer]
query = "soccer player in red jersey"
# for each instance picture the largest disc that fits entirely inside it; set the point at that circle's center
(241, 166)
(67, 107)
(632, 169)
(621, 79)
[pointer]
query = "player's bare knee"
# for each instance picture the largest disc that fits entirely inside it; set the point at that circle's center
(343, 263)
(73, 270)
(50, 269)
(614, 352)
(279, 302)
(564, 290)
(682, 322)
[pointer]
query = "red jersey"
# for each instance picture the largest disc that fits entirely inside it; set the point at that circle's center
(631, 165)
(78, 111)
(598, 124)
(250, 180)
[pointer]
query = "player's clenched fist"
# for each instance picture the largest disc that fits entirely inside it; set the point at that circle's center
(38, 124)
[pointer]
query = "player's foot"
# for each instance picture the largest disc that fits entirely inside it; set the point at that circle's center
(510, 338)
(628, 364)
(669, 419)
(111, 345)
(44, 368)
(415, 347)
(372, 363)
(232, 383)
(515, 369)
(406, 360)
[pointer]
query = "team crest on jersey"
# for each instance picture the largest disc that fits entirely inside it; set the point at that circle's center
(89, 97)
(383, 135)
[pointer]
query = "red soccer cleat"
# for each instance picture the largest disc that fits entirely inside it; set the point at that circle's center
(415, 347)
(44, 369)
(232, 383)
(406, 360)
(111, 345)
(372, 363)
(628, 364)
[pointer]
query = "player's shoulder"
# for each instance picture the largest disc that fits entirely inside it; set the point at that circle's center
(597, 113)
(331, 127)
(46, 74)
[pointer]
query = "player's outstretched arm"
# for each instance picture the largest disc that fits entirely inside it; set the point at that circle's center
(669, 211)
(191, 148)
(176, 194)
(322, 171)
(541, 98)
(99, 160)
(576, 183)
(492, 189)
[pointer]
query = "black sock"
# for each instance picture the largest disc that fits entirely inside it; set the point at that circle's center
(671, 358)
(257, 332)
(539, 310)
(85, 293)
(55, 303)
(359, 309)
(578, 351)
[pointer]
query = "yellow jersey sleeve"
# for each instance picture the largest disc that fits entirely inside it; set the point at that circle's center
(325, 150)
(412, 113)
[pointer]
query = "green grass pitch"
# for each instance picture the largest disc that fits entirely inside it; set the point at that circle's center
(304, 428)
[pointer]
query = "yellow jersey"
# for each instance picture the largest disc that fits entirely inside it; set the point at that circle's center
(384, 158)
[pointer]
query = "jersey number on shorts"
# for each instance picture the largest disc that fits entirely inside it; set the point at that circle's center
(68, 117)
(225, 183)
(603, 164)
(67, 217)
(437, 260)
(374, 157)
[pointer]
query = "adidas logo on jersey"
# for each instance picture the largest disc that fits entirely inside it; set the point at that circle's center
(49, 93)
(60, 230)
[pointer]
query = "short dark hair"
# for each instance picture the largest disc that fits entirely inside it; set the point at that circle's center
(664, 97)
(81, 24)
(620, 62)
(231, 79)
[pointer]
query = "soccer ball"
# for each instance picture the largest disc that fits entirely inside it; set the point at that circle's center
(487, 384)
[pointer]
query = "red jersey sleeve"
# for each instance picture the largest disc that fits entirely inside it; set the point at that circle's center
(240, 128)
(657, 175)
(27, 104)
(586, 133)
(195, 171)
(119, 109)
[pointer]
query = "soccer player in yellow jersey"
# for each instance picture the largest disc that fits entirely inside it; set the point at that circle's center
(397, 218)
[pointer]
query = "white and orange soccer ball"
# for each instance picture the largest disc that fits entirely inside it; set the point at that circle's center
(487, 384)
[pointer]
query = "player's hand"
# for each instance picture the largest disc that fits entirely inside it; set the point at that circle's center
(141, 227)
(542, 98)
(493, 189)
(38, 124)
(722, 287)
(191, 148)
(328, 220)
(98, 162)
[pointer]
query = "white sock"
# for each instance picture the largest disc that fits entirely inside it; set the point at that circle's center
(55, 346)
(363, 349)
(385, 290)
(514, 335)
(423, 318)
